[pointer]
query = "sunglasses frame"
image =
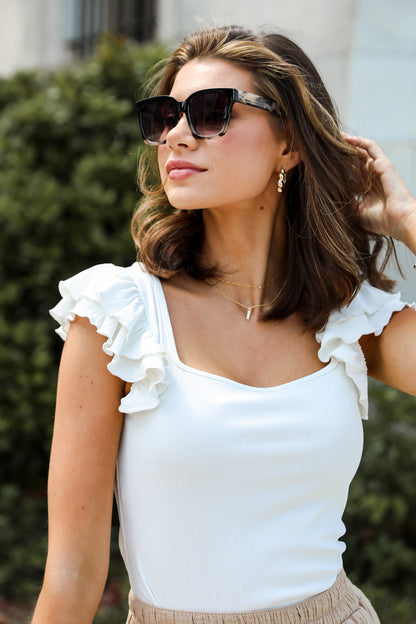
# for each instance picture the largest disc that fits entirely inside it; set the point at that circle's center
(233, 95)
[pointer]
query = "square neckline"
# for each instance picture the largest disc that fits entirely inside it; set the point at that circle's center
(173, 351)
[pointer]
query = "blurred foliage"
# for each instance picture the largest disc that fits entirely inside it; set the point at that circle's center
(68, 159)
(381, 511)
(68, 155)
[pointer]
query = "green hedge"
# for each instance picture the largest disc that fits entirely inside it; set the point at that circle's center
(68, 159)
(68, 155)
(381, 512)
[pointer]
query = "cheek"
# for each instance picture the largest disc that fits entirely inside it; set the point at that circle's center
(254, 157)
(162, 157)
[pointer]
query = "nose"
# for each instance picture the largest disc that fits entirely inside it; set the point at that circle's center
(181, 133)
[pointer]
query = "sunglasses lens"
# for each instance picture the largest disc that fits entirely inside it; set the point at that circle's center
(157, 116)
(208, 112)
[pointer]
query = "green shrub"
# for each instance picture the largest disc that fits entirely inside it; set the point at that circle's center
(68, 159)
(381, 511)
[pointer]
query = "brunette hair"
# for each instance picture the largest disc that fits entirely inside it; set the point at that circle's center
(329, 253)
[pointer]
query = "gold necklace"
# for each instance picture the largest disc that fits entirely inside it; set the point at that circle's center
(248, 309)
(224, 281)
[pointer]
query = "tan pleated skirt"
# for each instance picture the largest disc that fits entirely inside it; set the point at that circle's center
(343, 603)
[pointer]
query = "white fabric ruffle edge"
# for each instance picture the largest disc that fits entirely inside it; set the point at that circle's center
(368, 313)
(110, 298)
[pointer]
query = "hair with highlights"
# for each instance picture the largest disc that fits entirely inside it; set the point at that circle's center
(329, 253)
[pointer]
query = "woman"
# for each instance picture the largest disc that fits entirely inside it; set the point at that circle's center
(236, 351)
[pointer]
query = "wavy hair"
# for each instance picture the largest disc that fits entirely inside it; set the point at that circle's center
(329, 253)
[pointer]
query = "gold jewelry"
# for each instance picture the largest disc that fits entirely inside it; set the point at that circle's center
(224, 281)
(281, 183)
(243, 305)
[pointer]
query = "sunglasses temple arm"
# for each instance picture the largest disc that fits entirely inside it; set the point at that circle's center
(257, 101)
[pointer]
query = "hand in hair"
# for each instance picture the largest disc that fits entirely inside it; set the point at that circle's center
(388, 208)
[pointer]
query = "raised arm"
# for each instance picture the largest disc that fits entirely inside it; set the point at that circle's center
(81, 479)
(390, 209)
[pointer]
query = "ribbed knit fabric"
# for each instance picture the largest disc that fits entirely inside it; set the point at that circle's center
(343, 603)
(230, 496)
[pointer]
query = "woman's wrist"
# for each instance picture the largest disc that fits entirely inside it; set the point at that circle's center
(409, 233)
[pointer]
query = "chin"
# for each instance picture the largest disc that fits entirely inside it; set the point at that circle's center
(184, 204)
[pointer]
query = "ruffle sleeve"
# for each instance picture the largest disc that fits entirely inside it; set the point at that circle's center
(368, 313)
(111, 299)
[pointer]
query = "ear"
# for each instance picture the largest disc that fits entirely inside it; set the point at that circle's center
(290, 157)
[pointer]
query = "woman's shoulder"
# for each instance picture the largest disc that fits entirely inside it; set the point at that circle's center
(368, 313)
(114, 300)
(103, 288)
(97, 278)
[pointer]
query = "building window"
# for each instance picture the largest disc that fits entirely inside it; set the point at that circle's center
(84, 20)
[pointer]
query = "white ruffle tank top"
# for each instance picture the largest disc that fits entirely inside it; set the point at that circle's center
(230, 497)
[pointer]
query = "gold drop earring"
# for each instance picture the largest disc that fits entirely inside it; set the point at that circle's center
(281, 183)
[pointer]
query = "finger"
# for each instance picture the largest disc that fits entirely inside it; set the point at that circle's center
(375, 160)
(370, 146)
(362, 153)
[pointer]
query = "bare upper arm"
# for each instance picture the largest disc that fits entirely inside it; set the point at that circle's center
(391, 357)
(83, 457)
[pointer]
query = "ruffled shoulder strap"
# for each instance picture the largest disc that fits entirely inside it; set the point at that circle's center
(111, 298)
(368, 313)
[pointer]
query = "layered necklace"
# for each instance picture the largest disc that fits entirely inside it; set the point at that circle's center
(247, 308)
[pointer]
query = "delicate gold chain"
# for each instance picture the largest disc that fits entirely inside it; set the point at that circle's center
(243, 305)
(224, 281)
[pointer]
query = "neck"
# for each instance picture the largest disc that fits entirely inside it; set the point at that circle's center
(249, 248)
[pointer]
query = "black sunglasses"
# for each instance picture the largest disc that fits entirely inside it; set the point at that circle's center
(208, 112)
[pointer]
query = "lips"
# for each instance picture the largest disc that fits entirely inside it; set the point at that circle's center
(178, 169)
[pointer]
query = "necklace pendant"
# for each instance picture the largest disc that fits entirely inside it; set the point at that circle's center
(248, 314)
